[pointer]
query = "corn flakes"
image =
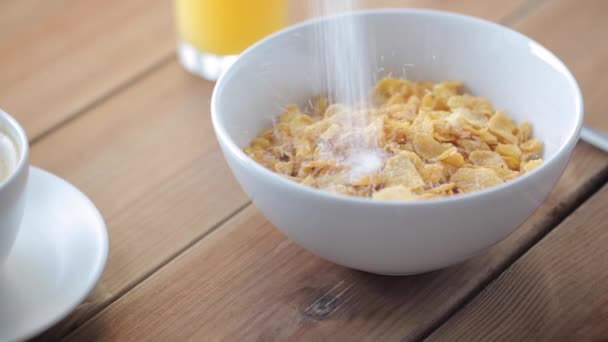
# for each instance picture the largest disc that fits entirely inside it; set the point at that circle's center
(410, 141)
(472, 179)
(392, 193)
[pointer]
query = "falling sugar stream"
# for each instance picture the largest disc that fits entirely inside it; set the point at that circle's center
(348, 74)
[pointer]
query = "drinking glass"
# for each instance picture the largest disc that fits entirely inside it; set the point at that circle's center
(212, 33)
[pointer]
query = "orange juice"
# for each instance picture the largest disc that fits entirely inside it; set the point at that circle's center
(227, 27)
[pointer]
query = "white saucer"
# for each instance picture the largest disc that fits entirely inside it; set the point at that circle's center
(58, 257)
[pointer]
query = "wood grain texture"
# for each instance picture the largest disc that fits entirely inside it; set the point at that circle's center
(576, 32)
(246, 281)
(149, 160)
(558, 291)
(492, 10)
(58, 57)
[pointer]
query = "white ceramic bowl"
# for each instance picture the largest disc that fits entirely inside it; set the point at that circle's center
(513, 71)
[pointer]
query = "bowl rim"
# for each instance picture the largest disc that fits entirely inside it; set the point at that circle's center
(250, 164)
(21, 140)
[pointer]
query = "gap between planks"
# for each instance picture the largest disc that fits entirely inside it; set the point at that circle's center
(560, 213)
(521, 12)
(102, 98)
(152, 271)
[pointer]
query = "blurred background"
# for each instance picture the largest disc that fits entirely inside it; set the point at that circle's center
(58, 52)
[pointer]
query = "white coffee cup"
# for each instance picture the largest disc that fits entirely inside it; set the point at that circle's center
(12, 188)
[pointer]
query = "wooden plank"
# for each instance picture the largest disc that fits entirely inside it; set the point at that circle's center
(491, 10)
(149, 160)
(247, 281)
(576, 31)
(555, 292)
(58, 57)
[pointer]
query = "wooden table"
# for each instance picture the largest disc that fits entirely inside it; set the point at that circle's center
(107, 106)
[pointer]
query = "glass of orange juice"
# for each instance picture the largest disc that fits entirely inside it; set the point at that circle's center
(213, 32)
